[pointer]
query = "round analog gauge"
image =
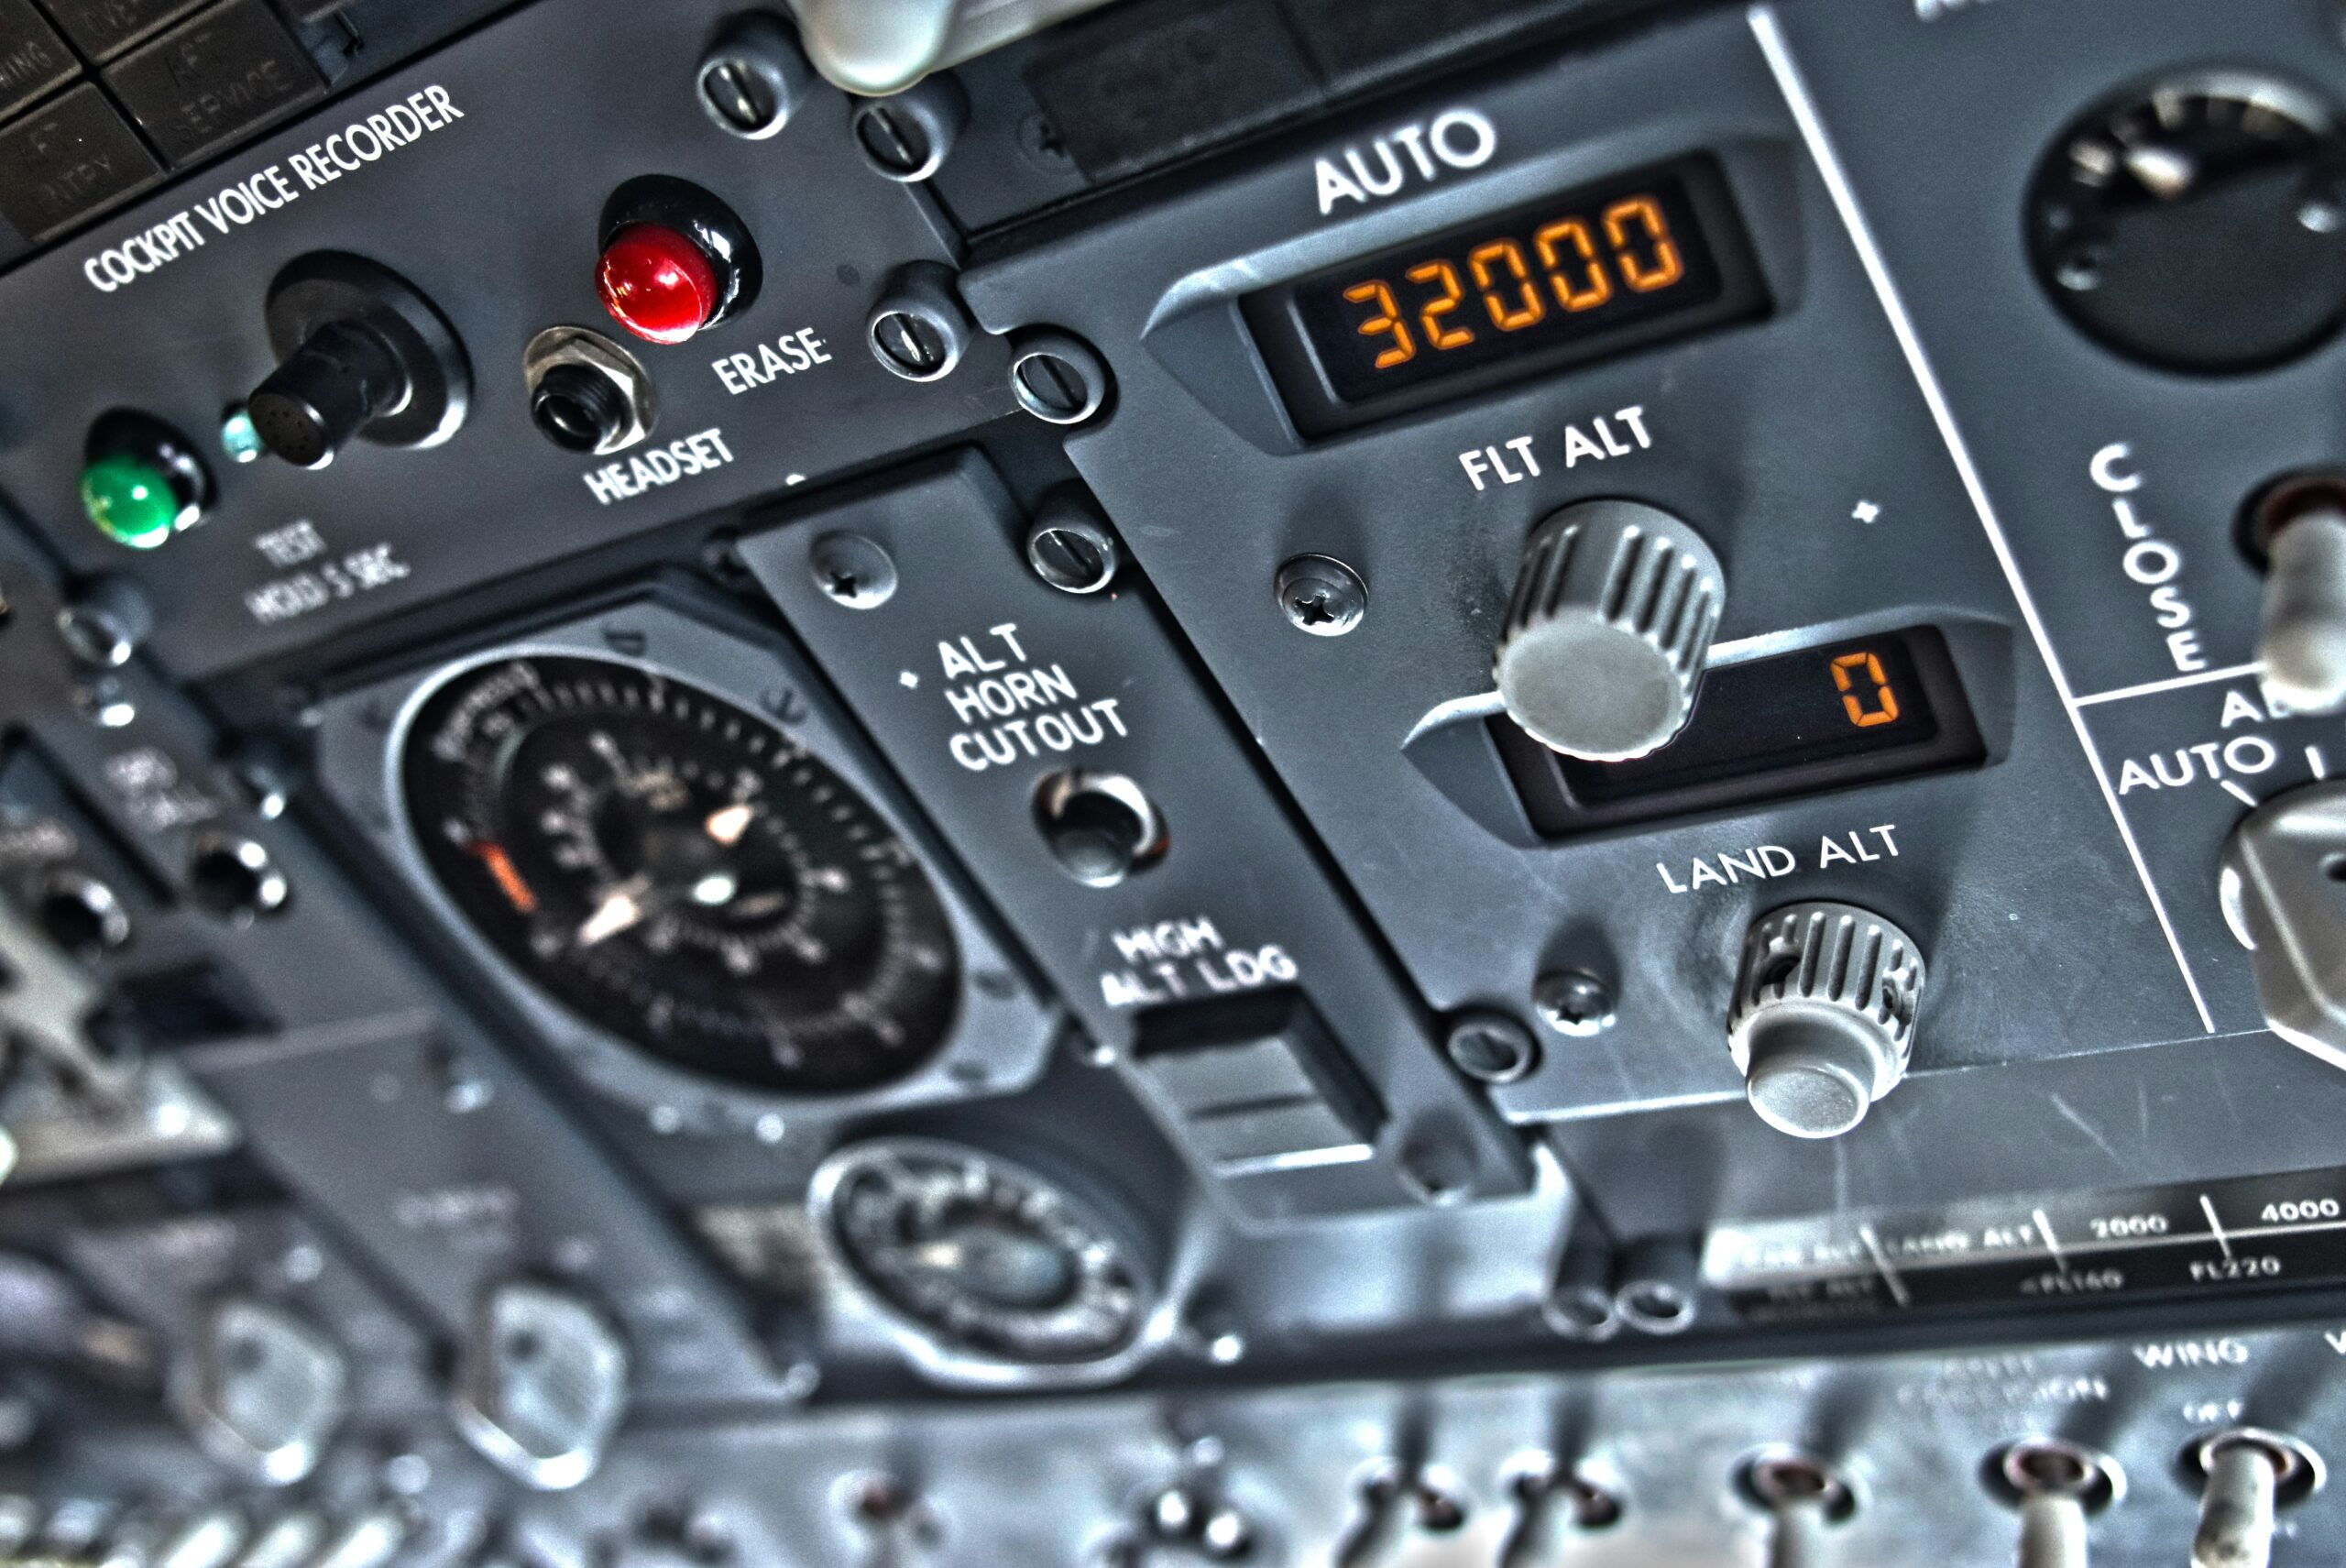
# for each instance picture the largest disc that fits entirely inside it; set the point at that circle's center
(988, 1267)
(2200, 225)
(681, 874)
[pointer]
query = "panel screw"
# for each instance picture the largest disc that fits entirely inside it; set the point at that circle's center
(909, 345)
(736, 97)
(754, 77)
(1056, 378)
(893, 140)
(852, 571)
(1491, 1047)
(1070, 548)
(1573, 1002)
(905, 136)
(1320, 594)
(920, 328)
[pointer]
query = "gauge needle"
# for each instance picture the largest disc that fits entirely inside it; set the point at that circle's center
(620, 910)
(728, 823)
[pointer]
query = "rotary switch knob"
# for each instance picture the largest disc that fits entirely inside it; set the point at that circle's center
(2299, 525)
(1823, 1018)
(1613, 612)
(541, 1384)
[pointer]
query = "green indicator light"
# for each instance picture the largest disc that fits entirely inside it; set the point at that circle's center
(131, 500)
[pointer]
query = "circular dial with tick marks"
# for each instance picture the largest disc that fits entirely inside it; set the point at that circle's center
(681, 873)
(2199, 223)
(989, 1262)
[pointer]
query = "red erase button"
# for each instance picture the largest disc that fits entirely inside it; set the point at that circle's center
(657, 283)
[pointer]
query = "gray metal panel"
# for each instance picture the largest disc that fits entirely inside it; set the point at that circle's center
(915, 669)
(1768, 438)
(451, 1201)
(494, 218)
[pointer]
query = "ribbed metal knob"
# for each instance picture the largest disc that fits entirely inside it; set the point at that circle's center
(1824, 1017)
(1613, 612)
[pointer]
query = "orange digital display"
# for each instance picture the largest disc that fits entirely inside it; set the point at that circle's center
(1596, 272)
(1565, 267)
(1875, 708)
(1866, 695)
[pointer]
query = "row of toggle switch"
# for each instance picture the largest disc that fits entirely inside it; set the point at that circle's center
(86, 1534)
(2056, 1487)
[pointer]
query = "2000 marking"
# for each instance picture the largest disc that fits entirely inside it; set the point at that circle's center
(2130, 1225)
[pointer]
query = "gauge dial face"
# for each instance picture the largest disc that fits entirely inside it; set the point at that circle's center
(987, 1262)
(682, 874)
(2198, 225)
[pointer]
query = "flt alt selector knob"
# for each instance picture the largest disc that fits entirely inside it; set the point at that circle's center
(1822, 1023)
(1611, 618)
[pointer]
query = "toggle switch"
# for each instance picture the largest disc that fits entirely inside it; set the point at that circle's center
(2056, 1485)
(1606, 633)
(674, 259)
(363, 354)
(369, 1539)
(2249, 1476)
(1802, 1496)
(1190, 1523)
(1554, 1505)
(1822, 1023)
(2299, 525)
(1100, 828)
(213, 1538)
(1394, 1505)
(290, 1540)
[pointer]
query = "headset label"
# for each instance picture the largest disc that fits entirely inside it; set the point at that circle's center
(659, 465)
